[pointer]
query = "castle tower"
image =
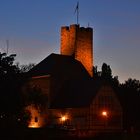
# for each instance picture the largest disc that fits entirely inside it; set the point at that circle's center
(77, 41)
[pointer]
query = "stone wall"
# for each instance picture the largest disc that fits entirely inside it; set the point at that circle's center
(78, 42)
(84, 48)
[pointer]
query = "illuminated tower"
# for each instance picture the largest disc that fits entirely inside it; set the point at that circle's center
(77, 41)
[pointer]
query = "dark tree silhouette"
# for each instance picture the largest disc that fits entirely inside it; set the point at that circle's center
(106, 74)
(7, 64)
(26, 68)
(106, 71)
(130, 98)
(10, 99)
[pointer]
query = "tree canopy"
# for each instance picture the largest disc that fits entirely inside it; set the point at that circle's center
(7, 65)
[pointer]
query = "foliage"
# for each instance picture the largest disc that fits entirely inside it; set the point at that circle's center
(7, 64)
(106, 74)
(130, 98)
(106, 71)
(26, 68)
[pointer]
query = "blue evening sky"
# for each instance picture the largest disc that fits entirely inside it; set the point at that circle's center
(33, 30)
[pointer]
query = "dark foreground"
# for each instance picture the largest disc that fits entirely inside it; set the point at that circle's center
(51, 134)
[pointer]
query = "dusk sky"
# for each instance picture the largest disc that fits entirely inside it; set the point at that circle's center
(33, 30)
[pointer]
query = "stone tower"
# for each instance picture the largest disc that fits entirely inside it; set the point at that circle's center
(77, 41)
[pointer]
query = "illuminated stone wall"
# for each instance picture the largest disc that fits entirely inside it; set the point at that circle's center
(68, 39)
(78, 42)
(83, 51)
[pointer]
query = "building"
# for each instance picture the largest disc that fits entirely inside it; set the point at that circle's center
(77, 41)
(75, 98)
(93, 110)
(61, 69)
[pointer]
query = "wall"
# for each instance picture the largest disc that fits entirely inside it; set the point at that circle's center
(106, 101)
(77, 41)
(84, 49)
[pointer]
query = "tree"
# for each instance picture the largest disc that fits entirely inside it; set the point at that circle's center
(26, 68)
(106, 74)
(132, 84)
(10, 99)
(106, 71)
(130, 98)
(7, 64)
(96, 73)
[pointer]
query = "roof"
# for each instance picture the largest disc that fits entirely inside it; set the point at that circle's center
(60, 66)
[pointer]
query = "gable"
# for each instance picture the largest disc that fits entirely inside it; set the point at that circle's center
(106, 98)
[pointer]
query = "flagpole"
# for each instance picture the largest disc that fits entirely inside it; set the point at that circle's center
(77, 12)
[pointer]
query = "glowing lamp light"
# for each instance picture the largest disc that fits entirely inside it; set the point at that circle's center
(104, 113)
(63, 118)
(34, 125)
